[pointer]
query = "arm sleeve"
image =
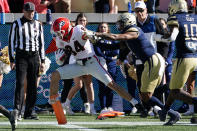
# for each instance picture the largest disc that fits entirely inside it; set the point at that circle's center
(12, 41)
(42, 51)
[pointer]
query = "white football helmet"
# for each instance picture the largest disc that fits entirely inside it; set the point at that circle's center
(177, 5)
(126, 19)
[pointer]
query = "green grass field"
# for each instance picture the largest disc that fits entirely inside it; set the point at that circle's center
(81, 122)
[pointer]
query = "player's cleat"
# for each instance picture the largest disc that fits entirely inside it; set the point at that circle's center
(19, 118)
(134, 110)
(173, 119)
(193, 120)
(1, 114)
(13, 120)
(190, 111)
(31, 117)
(143, 112)
(87, 108)
(162, 115)
(92, 112)
(69, 110)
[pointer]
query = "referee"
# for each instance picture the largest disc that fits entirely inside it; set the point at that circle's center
(27, 55)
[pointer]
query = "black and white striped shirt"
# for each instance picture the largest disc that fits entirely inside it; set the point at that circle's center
(26, 35)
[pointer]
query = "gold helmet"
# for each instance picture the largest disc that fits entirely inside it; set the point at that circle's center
(126, 19)
(176, 6)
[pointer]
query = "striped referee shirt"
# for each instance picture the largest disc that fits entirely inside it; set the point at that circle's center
(26, 35)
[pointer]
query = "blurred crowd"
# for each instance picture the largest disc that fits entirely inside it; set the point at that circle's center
(88, 6)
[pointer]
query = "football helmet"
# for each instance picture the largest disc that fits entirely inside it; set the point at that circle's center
(60, 27)
(177, 6)
(125, 20)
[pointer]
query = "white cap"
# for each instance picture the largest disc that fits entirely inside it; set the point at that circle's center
(140, 4)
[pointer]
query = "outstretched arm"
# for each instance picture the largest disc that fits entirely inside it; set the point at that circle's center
(125, 36)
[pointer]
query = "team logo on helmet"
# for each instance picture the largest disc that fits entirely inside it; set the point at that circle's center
(126, 19)
(60, 27)
(61, 24)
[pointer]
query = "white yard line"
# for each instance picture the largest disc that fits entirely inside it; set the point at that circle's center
(81, 128)
(75, 124)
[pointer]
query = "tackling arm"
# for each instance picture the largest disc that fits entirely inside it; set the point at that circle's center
(125, 36)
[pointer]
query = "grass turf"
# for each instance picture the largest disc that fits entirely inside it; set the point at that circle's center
(79, 121)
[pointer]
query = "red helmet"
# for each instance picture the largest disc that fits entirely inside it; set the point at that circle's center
(61, 27)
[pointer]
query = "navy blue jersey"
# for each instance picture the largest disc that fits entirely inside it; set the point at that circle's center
(186, 41)
(141, 46)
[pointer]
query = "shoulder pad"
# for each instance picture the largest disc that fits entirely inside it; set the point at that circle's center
(172, 21)
(132, 29)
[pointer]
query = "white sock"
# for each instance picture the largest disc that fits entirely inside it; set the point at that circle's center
(191, 108)
(68, 102)
(91, 106)
(133, 101)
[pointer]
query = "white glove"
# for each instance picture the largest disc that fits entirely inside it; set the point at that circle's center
(89, 33)
(47, 65)
(4, 68)
(91, 36)
(60, 56)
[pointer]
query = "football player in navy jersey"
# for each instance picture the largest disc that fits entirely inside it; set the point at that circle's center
(154, 63)
(183, 28)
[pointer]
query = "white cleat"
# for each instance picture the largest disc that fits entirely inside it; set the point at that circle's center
(93, 112)
(134, 110)
(1, 114)
(156, 109)
(188, 113)
(110, 109)
(87, 108)
(69, 110)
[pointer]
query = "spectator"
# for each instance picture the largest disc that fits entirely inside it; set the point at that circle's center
(26, 58)
(191, 6)
(123, 5)
(104, 6)
(150, 5)
(84, 6)
(4, 7)
(131, 82)
(41, 5)
(105, 94)
(168, 69)
(62, 6)
(16, 6)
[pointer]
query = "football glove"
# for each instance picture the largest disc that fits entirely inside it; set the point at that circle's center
(60, 56)
(91, 36)
(132, 72)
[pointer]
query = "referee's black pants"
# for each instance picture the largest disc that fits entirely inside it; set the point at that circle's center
(27, 65)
